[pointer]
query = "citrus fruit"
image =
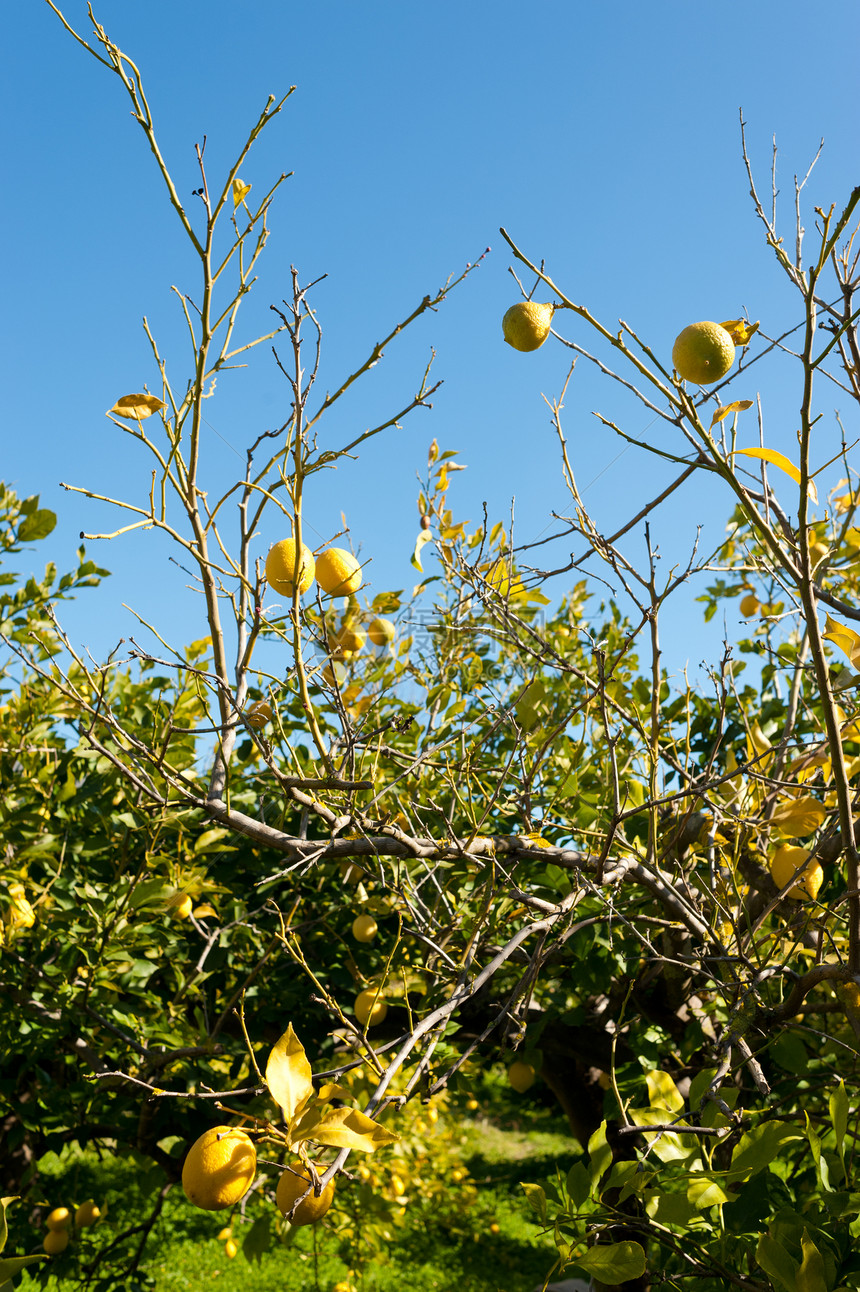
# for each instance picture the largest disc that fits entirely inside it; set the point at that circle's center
(180, 906)
(347, 639)
(59, 1218)
(526, 325)
(338, 572)
(56, 1241)
(381, 632)
(230, 1249)
(292, 1184)
(786, 861)
(749, 605)
(370, 1007)
(258, 715)
(472, 1105)
(87, 1214)
(521, 1076)
(219, 1169)
(703, 353)
(282, 563)
(397, 1185)
(225, 1233)
(364, 928)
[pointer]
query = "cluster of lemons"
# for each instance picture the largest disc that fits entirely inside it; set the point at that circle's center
(61, 1219)
(20, 914)
(221, 1167)
(703, 352)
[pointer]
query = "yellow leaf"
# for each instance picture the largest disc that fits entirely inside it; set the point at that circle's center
(240, 191)
(136, 407)
(200, 912)
(424, 537)
(348, 1128)
(757, 742)
(845, 638)
(662, 1091)
(738, 406)
(740, 330)
(781, 461)
(798, 817)
(332, 1091)
(288, 1075)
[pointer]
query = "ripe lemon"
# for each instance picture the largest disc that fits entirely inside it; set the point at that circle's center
(471, 1105)
(281, 567)
(526, 325)
(347, 640)
(749, 605)
(180, 905)
(230, 1249)
(381, 632)
(703, 353)
(219, 1169)
(258, 715)
(292, 1184)
(338, 572)
(366, 1011)
(521, 1076)
(56, 1241)
(87, 1214)
(364, 928)
(786, 861)
(59, 1218)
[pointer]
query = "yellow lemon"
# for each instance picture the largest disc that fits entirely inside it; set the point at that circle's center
(224, 1234)
(521, 1076)
(258, 715)
(366, 1011)
(397, 1186)
(703, 353)
(347, 640)
(494, 1228)
(381, 632)
(749, 605)
(59, 1218)
(526, 325)
(180, 905)
(338, 572)
(472, 1105)
(230, 1249)
(786, 861)
(219, 1169)
(56, 1241)
(283, 564)
(87, 1214)
(292, 1184)
(364, 928)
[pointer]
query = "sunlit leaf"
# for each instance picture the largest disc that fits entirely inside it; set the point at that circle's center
(599, 1152)
(240, 191)
(776, 1262)
(738, 406)
(288, 1075)
(705, 1192)
(136, 407)
(781, 461)
(349, 1128)
(845, 638)
(740, 330)
(536, 1198)
(614, 1262)
(798, 817)
(423, 538)
(839, 1108)
(811, 1277)
(662, 1091)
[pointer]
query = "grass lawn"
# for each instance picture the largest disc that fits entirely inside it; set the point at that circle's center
(479, 1240)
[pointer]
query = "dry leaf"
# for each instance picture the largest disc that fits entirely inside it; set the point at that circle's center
(798, 817)
(424, 537)
(781, 461)
(136, 407)
(348, 1128)
(737, 406)
(740, 330)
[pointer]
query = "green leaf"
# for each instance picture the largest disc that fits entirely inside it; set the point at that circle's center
(348, 1128)
(599, 1152)
(820, 1160)
(38, 524)
(706, 1192)
(759, 1146)
(536, 1199)
(669, 1208)
(614, 1262)
(839, 1114)
(258, 1239)
(578, 1183)
(811, 1276)
(288, 1075)
(662, 1091)
(666, 1146)
(776, 1262)
(9, 1268)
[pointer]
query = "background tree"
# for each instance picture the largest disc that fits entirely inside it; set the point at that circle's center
(650, 893)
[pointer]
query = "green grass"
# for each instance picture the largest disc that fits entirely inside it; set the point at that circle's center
(426, 1249)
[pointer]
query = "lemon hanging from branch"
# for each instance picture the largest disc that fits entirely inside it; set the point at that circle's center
(703, 353)
(527, 325)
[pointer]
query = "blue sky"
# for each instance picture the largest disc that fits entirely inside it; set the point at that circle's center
(604, 137)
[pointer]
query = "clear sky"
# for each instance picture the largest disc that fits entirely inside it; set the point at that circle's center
(603, 136)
